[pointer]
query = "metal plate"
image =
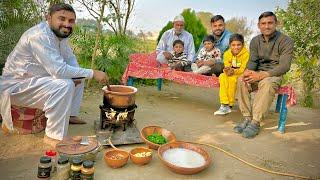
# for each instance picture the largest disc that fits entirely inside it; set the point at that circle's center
(74, 148)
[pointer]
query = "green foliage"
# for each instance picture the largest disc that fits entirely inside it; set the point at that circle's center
(82, 41)
(192, 24)
(16, 16)
(115, 51)
(113, 54)
(301, 22)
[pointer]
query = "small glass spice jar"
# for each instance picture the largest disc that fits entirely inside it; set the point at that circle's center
(44, 167)
(87, 170)
(63, 168)
(75, 172)
(53, 155)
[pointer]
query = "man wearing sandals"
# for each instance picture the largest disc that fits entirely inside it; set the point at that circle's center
(270, 57)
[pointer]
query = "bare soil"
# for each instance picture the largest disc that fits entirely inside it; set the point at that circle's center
(188, 112)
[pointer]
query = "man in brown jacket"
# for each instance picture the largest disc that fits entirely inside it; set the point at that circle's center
(270, 57)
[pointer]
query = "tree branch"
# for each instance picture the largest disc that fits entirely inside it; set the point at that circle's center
(90, 9)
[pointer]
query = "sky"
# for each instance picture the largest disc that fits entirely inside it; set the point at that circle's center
(153, 15)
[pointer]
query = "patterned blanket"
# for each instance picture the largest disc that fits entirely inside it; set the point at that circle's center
(145, 66)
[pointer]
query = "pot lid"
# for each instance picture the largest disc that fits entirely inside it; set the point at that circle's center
(72, 147)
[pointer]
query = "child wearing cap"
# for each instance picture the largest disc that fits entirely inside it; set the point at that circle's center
(207, 57)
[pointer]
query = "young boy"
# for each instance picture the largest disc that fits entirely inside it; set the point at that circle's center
(235, 62)
(207, 57)
(179, 59)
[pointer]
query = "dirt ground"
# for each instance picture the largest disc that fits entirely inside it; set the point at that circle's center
(188, 112)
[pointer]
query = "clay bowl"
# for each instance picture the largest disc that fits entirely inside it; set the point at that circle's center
(116, 158)
(146, 131)
(140, 160)
(184, 170)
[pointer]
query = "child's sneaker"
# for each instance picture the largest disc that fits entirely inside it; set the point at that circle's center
(223, 110)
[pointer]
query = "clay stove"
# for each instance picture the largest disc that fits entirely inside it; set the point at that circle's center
(112, 118)
(117, 116)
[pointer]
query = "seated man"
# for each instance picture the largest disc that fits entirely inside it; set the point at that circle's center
(270, 57)
(165, 45)
(221, 36)
(42, 72)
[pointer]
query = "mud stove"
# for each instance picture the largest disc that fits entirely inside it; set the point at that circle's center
(117, 123)
(112, 118)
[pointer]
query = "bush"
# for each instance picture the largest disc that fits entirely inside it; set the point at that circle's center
(16, 16)
(300, 20)
(113, 53)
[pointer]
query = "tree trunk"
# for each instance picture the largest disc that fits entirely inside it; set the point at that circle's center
(97, 39)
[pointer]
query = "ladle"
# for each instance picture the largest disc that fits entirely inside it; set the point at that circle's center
(110, 143)
(108, 86)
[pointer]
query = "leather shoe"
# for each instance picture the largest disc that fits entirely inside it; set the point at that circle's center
(76, 120)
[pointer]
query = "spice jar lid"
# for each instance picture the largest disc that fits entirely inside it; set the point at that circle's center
(63, 160)
(45, 159)
(51, 153)
(76, 161)
(88, 164)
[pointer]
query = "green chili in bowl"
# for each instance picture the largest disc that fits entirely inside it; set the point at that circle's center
(157, 138)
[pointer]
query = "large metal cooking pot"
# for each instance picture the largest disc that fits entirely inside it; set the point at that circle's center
(120, 96)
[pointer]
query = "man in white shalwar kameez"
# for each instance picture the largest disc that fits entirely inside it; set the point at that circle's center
(40, 71)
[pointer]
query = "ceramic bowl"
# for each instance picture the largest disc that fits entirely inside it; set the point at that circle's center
(146, 131)
(140, 160)
(184, 170)
(116, 158)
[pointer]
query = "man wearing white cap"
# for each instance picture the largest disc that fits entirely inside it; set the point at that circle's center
(177, 32)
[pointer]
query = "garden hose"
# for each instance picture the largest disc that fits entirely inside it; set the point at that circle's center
(252, 165)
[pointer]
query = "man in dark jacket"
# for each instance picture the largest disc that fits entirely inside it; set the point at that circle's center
(271, 53)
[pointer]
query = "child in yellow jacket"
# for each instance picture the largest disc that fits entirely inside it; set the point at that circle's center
(235, 62)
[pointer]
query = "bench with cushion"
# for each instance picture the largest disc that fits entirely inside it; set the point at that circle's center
(145, 66)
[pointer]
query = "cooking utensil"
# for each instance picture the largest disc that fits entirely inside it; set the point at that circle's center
(120, 96)
(66, 144)
(149, 130)
(84, 141)
(108, 87)
(184, 170)
(115, 157)
(140, 160)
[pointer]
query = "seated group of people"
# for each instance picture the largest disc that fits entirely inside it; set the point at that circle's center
(240, 72)
(42, 72)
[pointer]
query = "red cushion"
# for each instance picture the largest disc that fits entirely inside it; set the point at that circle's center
(28, 120)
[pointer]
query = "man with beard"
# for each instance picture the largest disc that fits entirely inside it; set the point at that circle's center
(165, 45)
(221, 36)
(271, 53)
(42, 72)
